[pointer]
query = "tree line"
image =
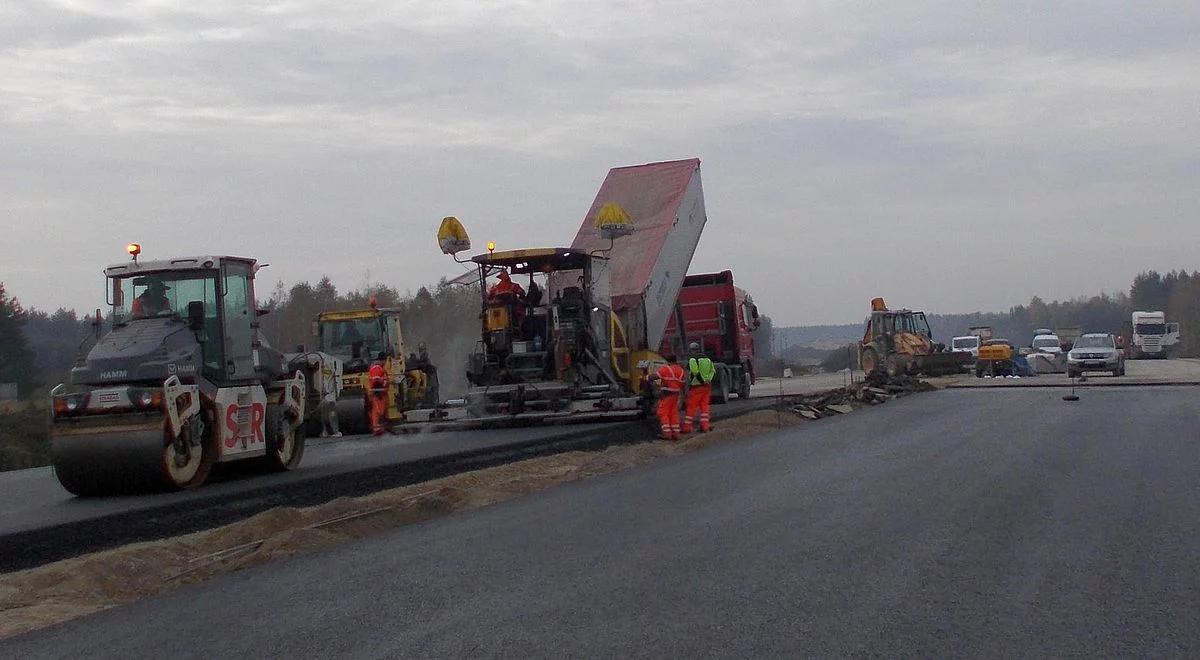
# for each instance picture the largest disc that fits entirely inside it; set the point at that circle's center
(1176, 293)
(445, 318)
(37, 348)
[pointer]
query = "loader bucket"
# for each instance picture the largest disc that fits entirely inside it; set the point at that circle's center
(942, 364)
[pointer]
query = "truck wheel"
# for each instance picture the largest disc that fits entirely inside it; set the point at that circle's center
(744, 389)
(721, 387)
(1071, 373)
(285, 446)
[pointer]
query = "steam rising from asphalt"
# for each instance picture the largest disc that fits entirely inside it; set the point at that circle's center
(447, 322)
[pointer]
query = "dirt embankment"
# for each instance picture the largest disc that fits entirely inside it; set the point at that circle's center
(76, 587)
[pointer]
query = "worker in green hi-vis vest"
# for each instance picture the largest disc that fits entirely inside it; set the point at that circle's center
(701, 372)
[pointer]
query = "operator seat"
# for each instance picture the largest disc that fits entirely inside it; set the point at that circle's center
(572, 302)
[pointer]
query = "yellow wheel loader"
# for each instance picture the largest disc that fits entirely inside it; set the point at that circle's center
(361, 337)
(899, 342)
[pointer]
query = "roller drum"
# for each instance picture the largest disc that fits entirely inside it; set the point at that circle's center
(123, 459)
(352, 415)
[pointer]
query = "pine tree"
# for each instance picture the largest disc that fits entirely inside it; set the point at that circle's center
(16, 360)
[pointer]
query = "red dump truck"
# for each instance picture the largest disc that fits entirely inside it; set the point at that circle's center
(720, 317)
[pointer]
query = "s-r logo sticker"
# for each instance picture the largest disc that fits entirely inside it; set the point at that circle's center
(235, 417)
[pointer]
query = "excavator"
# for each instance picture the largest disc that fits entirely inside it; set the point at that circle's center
(898, 342)
(182, 381)
(358, 337)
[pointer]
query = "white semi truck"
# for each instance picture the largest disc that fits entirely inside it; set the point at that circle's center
(1151, 335)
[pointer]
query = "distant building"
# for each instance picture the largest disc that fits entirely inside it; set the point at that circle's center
(8, 392)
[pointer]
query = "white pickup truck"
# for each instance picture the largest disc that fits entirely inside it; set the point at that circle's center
(966, 344)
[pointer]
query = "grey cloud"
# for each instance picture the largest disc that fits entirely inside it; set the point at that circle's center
(32, 24)
(835, 138)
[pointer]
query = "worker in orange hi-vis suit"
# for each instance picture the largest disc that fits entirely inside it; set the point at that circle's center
(701, 372)
(670, 377)
(377, 397)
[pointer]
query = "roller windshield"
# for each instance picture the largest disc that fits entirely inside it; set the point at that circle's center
(352, 338)
(143, 296)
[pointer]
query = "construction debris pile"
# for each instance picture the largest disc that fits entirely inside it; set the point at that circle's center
(874, 390)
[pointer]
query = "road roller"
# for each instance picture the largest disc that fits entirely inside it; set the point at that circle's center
(361, 337)
(181, 381)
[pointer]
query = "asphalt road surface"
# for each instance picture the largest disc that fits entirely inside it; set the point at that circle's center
(33, 499)
(961, 522)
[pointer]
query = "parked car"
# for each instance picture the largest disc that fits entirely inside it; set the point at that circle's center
(1047, 343)
(1046, 354)
(1095, 351)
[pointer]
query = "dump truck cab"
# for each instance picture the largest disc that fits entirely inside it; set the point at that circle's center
(361, 337)
(721, 318)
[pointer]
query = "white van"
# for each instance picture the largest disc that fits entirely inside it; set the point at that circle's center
(968, 344)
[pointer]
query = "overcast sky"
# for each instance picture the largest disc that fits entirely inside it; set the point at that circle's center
(945, 156)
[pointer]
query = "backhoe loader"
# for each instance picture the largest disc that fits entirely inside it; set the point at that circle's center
(899, 342)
